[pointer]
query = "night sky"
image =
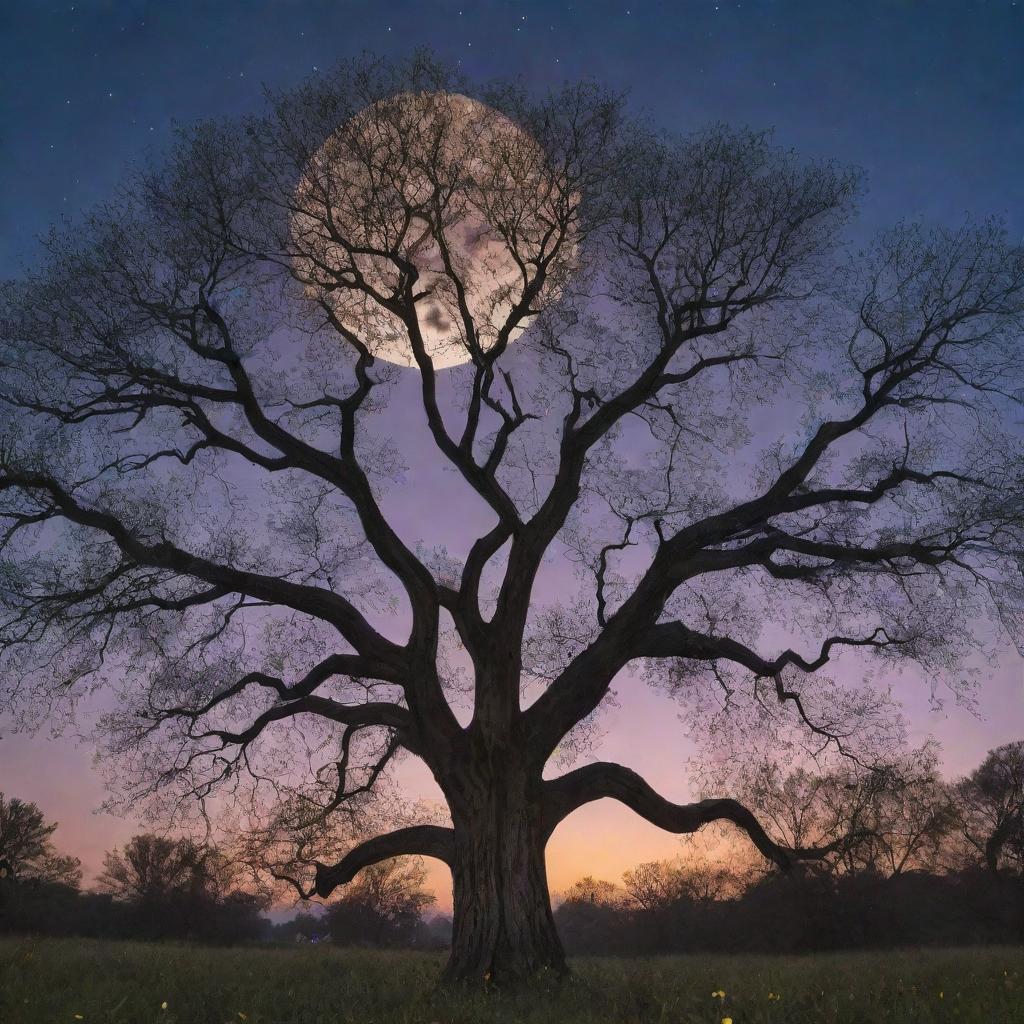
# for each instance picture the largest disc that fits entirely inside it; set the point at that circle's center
(928, 98)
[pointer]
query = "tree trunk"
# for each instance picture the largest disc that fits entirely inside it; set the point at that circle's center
(503, 929)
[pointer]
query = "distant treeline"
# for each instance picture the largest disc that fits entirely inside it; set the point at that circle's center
(902, 857)
(155, 888)
(894, 858)
(161, 888)
(55, 910)
(812, 911)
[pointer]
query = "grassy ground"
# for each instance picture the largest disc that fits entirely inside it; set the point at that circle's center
(66, 981)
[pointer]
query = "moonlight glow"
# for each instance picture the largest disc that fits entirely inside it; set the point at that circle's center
(441, 183)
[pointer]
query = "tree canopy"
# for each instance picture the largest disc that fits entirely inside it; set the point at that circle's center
(27, 852)
(648, 357)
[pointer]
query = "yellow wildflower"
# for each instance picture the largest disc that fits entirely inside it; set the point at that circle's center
(718, 994)
(941, 996)
(163, 1005)
(727, 1020)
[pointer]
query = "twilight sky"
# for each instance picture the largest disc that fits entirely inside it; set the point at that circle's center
(927, 97)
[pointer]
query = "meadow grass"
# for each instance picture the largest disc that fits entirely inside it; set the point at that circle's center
(64, 981)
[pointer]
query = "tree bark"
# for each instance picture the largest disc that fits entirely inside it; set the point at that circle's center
(503, 929)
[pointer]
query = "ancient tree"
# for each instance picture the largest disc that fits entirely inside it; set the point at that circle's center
(647, 360)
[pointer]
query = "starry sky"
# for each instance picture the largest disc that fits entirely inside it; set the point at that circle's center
(928, 98)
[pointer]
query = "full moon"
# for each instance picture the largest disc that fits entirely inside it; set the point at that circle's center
(447, 185)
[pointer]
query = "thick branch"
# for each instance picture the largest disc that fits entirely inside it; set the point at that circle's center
(305, 598)
(695, 550)
(566, 794)
(417, 840)
(372, 713)
(675, 640)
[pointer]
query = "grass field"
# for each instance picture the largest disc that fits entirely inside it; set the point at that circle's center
(58, 981)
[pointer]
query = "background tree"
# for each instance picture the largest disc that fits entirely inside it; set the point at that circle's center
(151, 869)
(179, 888)
(592, 917)
(663, 883)
(887, 820)
(675, 904)
(26, 849)
(762, 455)
(991, 809)
(383, 907)
(913, 813)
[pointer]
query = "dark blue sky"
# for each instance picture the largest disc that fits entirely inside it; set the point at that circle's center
(927, 97)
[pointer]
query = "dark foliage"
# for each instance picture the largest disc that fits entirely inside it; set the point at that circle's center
(383, 907)
(26, 850)
(810, 912)
(155, 889)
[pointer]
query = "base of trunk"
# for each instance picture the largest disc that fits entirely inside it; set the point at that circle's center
(503, 963)
(503, 930)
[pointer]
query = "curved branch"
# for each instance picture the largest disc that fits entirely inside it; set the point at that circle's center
(332, 665)
(343, 472)
(303, 597)
(675, 640)
(603, 779)
(417, 840)
(373, 713)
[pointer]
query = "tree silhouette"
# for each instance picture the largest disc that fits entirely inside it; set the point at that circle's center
(991, 808)
(27, 853)
(885, 820)
(383, 907)
(177, 887)
(665, 373)
(151, 869)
